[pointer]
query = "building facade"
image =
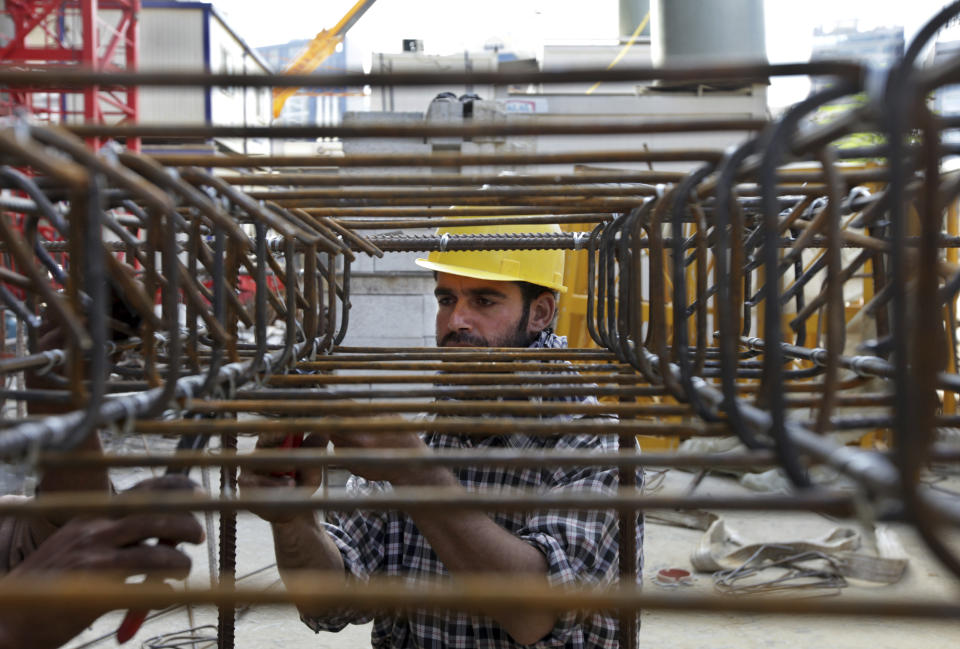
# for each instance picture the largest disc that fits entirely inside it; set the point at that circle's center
(193, 36)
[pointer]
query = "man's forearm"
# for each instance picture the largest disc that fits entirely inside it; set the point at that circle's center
(300, 544)
(469, 541)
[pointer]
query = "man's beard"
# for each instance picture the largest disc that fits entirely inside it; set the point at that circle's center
(518, 337)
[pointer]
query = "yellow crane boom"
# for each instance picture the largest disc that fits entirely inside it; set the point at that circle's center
(316, 52)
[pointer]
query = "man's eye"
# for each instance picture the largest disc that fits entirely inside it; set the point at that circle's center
(482, 301)
(444, 301)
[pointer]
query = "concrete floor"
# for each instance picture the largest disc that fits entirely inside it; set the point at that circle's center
(666, 547)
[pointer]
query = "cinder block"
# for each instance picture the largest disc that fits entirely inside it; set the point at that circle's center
(402, 262)
(396, 316)
(363, 263)
(430, 314)
(420, 284)
(383, 341)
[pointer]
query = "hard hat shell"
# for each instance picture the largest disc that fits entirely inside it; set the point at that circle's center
(540, 267)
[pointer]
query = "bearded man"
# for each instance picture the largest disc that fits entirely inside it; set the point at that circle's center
(484, 299)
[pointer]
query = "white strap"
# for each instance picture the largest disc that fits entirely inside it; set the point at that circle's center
(720, 549)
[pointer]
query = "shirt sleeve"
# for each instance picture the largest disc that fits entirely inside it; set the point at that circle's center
(361, 537)
(580, 546)
(20, 536)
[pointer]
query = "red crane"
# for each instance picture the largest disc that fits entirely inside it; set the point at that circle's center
(99, 35)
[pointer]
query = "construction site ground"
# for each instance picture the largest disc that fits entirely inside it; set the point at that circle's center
(665, 547)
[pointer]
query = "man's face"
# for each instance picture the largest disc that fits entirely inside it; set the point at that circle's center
(480, 313)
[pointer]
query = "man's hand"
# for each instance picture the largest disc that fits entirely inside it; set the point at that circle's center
(301, 477)
(298, 541)
(397, 475)
(114, 548)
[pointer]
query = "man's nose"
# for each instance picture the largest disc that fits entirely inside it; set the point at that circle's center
(460, 317)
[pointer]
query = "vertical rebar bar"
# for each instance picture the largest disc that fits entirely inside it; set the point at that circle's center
(226, 615)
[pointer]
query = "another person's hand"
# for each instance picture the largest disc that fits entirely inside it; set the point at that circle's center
(108, 547)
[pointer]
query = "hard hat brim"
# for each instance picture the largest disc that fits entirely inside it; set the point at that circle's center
(475, 273)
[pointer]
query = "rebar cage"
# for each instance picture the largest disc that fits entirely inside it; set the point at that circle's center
(719, 302)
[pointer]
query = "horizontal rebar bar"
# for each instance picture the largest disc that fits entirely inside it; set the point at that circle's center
(434, 160)
(319, 591)
(73, 77)
(461, 426)
(270, 459)
(374, 130)
(416, 498)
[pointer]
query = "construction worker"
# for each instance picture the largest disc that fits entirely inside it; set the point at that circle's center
(488, 298)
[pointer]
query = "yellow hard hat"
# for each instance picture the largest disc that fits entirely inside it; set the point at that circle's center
(540, 267)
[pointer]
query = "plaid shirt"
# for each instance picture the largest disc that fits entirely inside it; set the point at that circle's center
(580, 546)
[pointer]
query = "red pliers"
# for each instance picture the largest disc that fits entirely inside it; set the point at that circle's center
(293, 440)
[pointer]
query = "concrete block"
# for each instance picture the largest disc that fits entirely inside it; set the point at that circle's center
(384, 341)
(407, 284)
(430, 314)
(399, 262)
(382, 145)
(363, 263)
(397, 316)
